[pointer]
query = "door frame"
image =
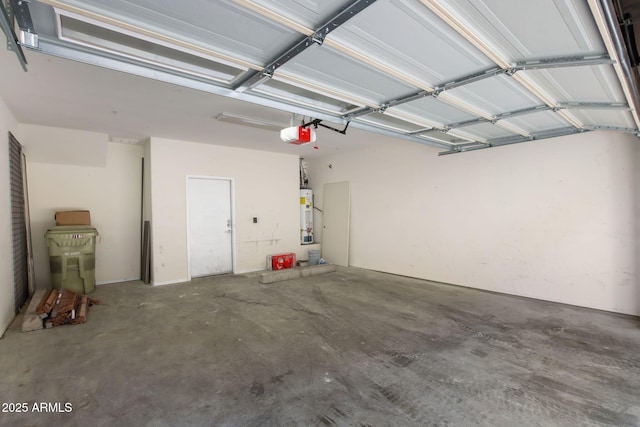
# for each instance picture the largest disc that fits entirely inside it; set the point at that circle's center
(232, 201)
(340, 248)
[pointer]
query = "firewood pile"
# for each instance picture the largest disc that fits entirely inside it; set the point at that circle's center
(63, 307)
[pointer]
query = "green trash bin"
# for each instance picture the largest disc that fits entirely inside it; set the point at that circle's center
(72, 257)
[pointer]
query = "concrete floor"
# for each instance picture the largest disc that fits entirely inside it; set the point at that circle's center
(350, 348)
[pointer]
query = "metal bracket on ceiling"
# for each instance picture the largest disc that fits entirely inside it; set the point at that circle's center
(361, 112)
(12, 40)
(523, 111)
(28, 36)
(562, 62)
(318, 122)
(461, 148)
(7, 15)
(471, 78)
(346, 14)
(614, 128)
(386, 105)
(408, 98)
(594, 106)
(472, 122)
(470, 144)
(319, 36)
(256, 78)
(8, 10)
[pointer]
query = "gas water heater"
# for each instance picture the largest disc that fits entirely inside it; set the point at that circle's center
(306, 216)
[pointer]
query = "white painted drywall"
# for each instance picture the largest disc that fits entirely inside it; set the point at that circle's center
(110, 189)
(552, 219)
(265, 186)
(80, 148)
(8, 124)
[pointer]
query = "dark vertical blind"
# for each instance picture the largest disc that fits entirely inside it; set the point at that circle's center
(18, 222)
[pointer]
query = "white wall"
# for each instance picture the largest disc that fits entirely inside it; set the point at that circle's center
(552, 219)
(266, 187)
(86, 171)
(65, 146)
(7, 295)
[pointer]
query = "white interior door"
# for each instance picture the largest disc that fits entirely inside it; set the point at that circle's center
(210, 226)
(335, 223)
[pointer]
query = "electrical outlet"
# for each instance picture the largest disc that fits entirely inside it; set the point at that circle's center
(255, 219)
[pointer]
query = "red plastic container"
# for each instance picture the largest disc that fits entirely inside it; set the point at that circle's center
(282, 261)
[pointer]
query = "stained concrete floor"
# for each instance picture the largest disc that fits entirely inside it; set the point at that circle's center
(350, 348)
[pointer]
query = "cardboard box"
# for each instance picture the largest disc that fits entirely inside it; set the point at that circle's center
(73, 218)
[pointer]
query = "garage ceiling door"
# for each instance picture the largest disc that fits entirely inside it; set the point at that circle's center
(458, 74)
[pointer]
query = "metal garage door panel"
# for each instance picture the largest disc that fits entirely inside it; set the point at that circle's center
(409, 38)
(221, 26)
(622, 119)
(326, 67)
(538, 122)
(496, 95)
(482, 132)
(580, 84)
(532, 29)
(310, 13)
(290, 93)
(434, 110)
(389, 122)
(106, 39)
(444, 137)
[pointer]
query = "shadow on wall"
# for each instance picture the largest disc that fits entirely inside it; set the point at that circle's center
(39, 226)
